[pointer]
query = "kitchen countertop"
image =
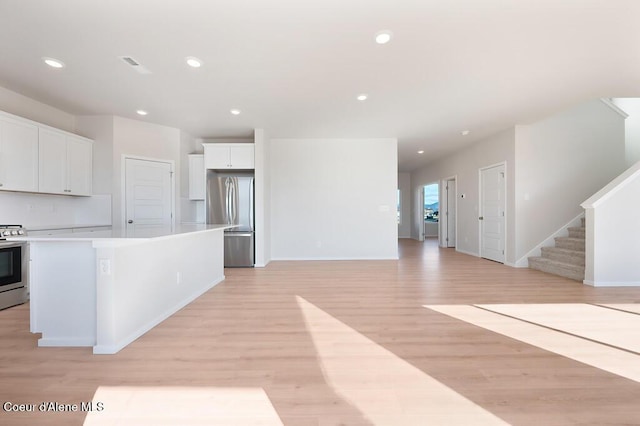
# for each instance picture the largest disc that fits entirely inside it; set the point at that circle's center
(76, 226)
(128, 235)
(104, 289)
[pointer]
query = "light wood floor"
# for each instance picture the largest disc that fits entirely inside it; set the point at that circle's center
(251, 331)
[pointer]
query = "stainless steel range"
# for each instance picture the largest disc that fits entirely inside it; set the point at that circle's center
(14, 267)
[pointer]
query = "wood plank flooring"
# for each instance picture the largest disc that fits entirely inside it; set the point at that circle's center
(253, 332)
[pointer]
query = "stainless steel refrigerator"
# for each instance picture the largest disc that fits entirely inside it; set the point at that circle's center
(230, 200)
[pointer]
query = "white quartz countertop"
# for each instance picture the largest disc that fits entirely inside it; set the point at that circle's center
(65, 226)
(131, 234)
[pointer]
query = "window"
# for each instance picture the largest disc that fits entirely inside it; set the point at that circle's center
(431, 204)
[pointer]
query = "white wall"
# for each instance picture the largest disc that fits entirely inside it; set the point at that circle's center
(187, 209)
(466, 164)
(613, 232)
(431, 229)
(17, 104)
(631, 106)
(262, 197)
(404, 185)
(116, 137)
(100, 129)
(334, 198)
(143, 140)
(560, 162)
(48, 210)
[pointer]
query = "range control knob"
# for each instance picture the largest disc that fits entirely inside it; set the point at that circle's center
(6, 233)
(20, 232)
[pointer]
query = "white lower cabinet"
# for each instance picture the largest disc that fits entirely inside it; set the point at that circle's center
(65, 163)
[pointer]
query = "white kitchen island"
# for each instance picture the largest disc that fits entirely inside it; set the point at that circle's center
(105, 289)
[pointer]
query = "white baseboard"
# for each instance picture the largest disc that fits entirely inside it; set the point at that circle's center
(612, 283)
(331, 258)
(523, 262)
(467, 252)
(68, 341)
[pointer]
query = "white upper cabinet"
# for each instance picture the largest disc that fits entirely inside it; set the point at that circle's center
(65, 163)
(229, 156)
(79, 166)
(196, 177)
(18, 155)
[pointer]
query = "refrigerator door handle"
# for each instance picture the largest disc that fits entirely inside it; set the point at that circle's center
(227, 200)
(234, 200)
(251, 206)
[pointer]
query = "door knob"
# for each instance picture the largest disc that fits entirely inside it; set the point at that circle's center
(129, 221)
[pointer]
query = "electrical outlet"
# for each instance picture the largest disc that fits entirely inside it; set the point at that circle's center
(105, 266)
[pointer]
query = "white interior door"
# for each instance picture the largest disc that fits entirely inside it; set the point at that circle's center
(492, 213)
(148, 193)
(450, 212)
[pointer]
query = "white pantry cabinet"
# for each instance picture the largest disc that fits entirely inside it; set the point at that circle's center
(18, 155)
(65, 163)
(196, 177)
(229, 155)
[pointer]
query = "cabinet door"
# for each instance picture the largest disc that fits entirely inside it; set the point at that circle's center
(196, 177)
(18, 156)
(52, 162)
(216, 156)
(79, 166)
(242, 156)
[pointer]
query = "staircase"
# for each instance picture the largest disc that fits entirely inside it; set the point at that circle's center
(566, 258)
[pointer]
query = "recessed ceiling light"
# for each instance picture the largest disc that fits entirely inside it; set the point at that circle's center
(53, 63)
(235, 111)
(421, 152)
(383, 37)
(193, 62)
(465, 132)
(141, 112)
(362, 97)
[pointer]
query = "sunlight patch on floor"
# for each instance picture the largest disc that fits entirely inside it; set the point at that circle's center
(124, 405)
(609, 326)
(595, 354)
(629, 307)
(386, 389)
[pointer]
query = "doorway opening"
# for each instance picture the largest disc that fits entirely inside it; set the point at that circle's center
(430, 210)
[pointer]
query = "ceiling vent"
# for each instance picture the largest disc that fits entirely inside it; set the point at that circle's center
(135, 64)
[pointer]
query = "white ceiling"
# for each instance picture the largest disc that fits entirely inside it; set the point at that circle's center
(295, 67)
